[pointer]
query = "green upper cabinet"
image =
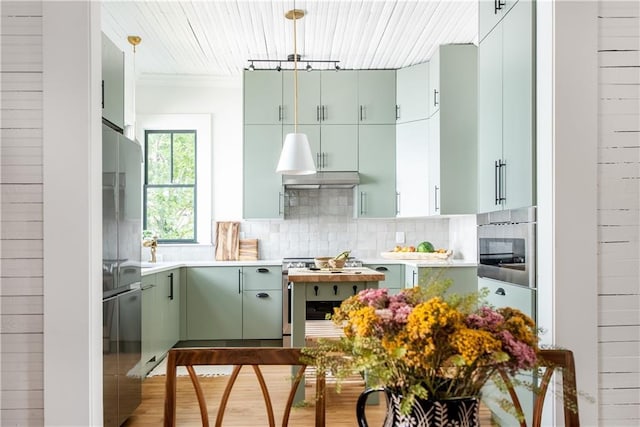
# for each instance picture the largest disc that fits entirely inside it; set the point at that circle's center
(339, 97)
(262, 195)
(324, 97)
(412, 93)
(377, 97)
(452, 145)
(214, 303)
(412, 173)
(112, 82)
(506, 149)
(308, 97)
(490, 12)
(263, 97)
(376, 193)
(434, 83)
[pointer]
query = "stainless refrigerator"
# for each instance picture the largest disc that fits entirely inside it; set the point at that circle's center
(121, 281)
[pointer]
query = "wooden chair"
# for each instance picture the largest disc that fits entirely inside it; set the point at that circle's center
(190, 357)
(551, 360)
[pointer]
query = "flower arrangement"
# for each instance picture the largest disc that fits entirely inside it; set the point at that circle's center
(421, 344)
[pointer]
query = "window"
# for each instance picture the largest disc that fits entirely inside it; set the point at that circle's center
(170, 185)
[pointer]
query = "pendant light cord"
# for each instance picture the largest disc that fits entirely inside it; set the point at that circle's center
(295, 71)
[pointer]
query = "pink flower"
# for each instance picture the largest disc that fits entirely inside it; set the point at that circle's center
(377, 298)
(486, 318)
(524, 355)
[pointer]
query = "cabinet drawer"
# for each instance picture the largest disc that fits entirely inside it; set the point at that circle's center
(262, 277)
(332, 291)
(393, 275)
(505, 295)
(262, 314)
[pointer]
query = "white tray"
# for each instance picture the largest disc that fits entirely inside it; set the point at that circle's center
(417, 255)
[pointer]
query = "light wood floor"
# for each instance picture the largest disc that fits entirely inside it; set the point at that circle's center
(246, 408)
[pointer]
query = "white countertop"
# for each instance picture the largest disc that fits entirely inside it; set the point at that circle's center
(149, 268)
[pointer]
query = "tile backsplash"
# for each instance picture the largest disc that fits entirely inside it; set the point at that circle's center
(321, 223)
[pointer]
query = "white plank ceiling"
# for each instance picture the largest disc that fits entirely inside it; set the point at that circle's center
(218, 37)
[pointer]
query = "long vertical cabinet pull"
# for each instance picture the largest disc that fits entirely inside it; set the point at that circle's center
(415, 273)
(324, 113)
(435, 97)
(324, 160)
(435, 197)
(397, 202)
(362, 113)
(239, 280)
(280, 203)
(496, 184)
(171, 286)
(397, 112)
(103, 94)
(317, 113)
(363, 197)
(318, 164)
(497, 5)
(502, 189)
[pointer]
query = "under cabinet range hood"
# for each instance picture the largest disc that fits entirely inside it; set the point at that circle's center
(321, 180)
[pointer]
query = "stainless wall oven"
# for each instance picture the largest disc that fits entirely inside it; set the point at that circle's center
(507, 246)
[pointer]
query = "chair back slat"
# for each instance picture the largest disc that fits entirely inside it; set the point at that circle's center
(238, 357)
(551, 360)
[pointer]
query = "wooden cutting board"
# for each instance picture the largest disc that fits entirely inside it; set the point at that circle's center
(248, 250)
(227, 241)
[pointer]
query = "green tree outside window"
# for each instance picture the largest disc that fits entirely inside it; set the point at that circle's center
(170, 184)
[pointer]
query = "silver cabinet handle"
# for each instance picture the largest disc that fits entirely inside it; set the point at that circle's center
(495, 182)
(397, 202)
(502, 178)
(262, 295)
(324, 113)
(239, 280)
(318, 164)
(435, 97)
(317, 113)
(324, 160)
(415, 273)
(361, 113)
(362, 197)
(435, 196)
(279, 113)
(280, 203)
(397, 112)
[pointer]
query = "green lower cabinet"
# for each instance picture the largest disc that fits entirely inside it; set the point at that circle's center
(258, 319)
(464, 280)
(232, 303)
(160, 316)
(393, 276)
(214, 303)
(505, 295)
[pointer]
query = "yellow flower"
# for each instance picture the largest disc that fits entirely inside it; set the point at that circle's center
(472, 344)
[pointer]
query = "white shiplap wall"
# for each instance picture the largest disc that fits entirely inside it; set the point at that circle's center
(21, 235)
(619, 212)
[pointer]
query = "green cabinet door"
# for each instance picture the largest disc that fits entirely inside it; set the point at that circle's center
(377, 97)
(393, 276)
(434, 161)
(262, 187)
(490, 12)
(411, 278)
(464, 280)
(262, 314)
(518, 89)
(339, 97)
(339, 147)
(308, 97)
(112, 82)
(168, 293)
(376, 193)
(454, 130)
(489, 120)
(214, 303)
(434, 83)
(412, 93)
(262, 97)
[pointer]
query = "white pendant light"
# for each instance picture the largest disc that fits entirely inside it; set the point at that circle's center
(295, 158)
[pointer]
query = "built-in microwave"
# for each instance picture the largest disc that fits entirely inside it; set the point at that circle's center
(507, 246)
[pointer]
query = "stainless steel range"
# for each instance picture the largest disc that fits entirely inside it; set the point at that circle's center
(312, 312)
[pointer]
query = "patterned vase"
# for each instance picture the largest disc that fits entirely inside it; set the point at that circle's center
(458, 412)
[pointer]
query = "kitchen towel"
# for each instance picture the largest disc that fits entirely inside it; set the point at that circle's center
(227, 241)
